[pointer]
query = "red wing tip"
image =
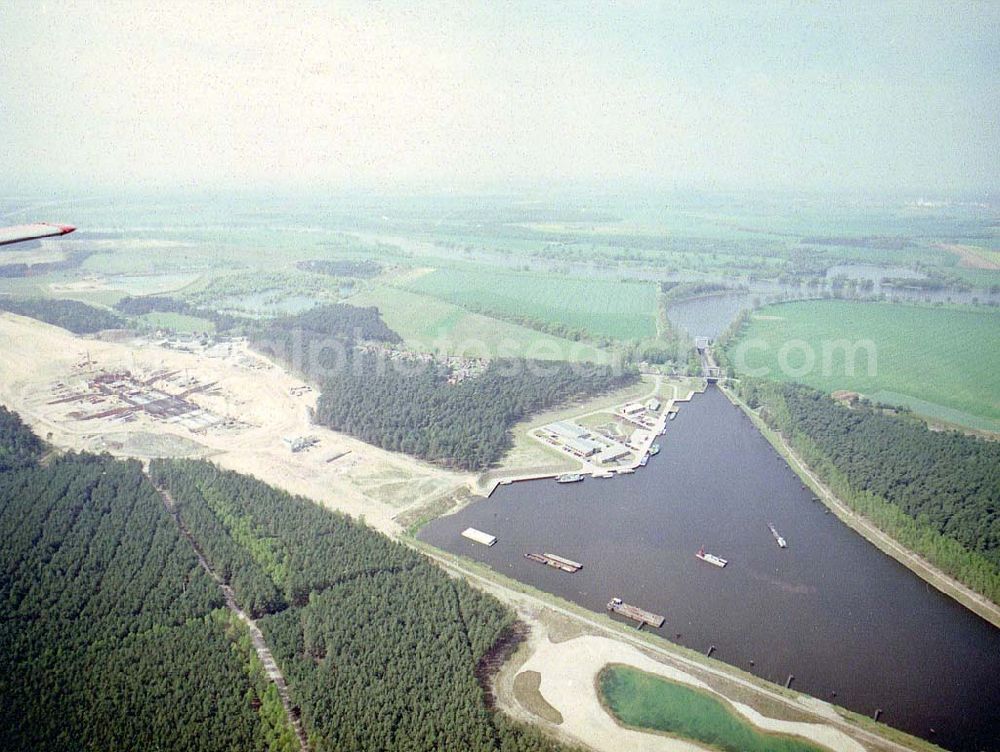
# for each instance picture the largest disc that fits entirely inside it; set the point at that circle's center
(66, 229)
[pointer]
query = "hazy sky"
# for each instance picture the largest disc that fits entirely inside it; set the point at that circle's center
(438, 95)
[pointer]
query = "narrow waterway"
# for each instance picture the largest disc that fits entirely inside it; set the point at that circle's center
(830, 609)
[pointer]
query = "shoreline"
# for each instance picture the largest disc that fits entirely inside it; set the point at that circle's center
(921, 567)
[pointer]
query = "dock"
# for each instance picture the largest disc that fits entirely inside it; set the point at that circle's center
(558, 562)
(642, 616)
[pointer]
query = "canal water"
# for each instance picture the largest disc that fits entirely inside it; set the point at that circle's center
(830, 609)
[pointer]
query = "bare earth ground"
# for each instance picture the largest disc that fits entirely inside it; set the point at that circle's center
(365, 482)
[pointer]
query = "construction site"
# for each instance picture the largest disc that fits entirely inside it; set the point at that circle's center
(121, 396)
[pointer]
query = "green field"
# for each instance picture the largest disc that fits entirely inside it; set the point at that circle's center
(645, 701)
(942, 362)
(428, 324)
(604, 308)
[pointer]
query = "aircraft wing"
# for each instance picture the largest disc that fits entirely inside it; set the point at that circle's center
(20, 233)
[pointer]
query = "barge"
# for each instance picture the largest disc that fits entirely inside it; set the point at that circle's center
(616, 605)
(479, 536)
(557, 562)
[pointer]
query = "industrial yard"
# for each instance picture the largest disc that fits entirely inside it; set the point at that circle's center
(614, 439)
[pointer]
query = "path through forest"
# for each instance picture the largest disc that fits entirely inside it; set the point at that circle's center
(256, 636)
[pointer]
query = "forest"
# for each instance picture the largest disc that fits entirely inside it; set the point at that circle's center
(413, 406)
(378, 645)
(937, 492)
(313, 343)
(112, 634)
(140, 306)
(72, 315)
(466, 425)
(361, 269)
(72, 260)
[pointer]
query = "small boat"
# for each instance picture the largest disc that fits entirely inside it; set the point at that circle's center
(569, 478)
(777, 537)
(626, 470)
(654, 449)
(644, 460)
(711, 558)
(672, 416)
(506, 482)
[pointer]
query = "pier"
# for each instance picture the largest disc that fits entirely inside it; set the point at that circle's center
(616, 605)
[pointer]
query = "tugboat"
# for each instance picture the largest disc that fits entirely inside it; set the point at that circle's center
(569, 478)
(711, 558)
(777, 537)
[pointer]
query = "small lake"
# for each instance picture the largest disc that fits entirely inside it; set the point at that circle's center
(708, 315)
(267, 303)
(830, 609)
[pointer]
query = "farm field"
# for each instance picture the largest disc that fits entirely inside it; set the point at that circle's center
(605, 308)
(645, 701)
(942, 362)
(428, 324)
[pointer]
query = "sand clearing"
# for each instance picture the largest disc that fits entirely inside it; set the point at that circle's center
(569, 670)
(252, 393)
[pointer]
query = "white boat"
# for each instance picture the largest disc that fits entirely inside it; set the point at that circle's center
(777, 537)
(626, 470)
(711, 558)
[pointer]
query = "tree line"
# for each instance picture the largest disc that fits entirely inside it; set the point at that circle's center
(937, 492)
(363, 269)
(72, 315)
(141, 305)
